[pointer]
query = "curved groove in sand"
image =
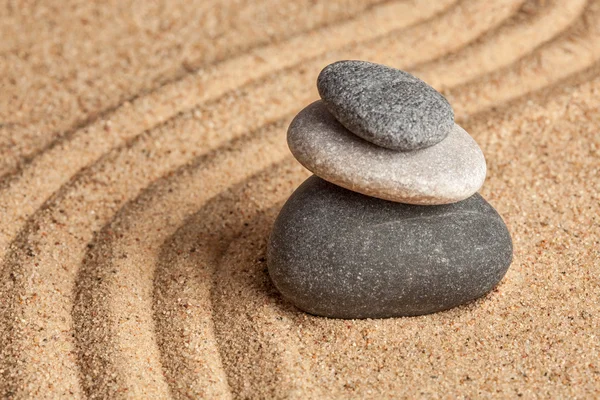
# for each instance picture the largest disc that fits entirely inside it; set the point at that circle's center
(329, 36)
(183, 282)
(573, 51)
(38, 275)
(207, 4)
(518, 37)
(479, 16)
(115, 284)
(88, 143)
(31, 143)
(269, 361)
(45, 256)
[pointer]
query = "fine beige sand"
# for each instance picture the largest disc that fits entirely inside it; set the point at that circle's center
(143, 161)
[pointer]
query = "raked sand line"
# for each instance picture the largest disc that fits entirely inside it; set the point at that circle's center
(258, 336)
(573, 51)
(338, 33)
(182, 311)
(184, 276)
(125, 175)
(89, 143)
(192, 39)
(516, 38)
(18, 264)
(314, 20)
(479, 17)
(551, 103)
(115, 286)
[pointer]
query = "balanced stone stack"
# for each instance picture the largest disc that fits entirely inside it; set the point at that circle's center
(390, 224)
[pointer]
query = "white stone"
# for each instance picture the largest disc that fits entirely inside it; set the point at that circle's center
(450, 171)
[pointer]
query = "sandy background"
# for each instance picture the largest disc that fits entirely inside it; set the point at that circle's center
(143, 161)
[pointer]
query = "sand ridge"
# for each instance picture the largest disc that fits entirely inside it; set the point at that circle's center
(132, 238)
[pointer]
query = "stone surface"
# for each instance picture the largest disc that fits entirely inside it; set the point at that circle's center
(450, 171)
(384, 105)
(337, 253)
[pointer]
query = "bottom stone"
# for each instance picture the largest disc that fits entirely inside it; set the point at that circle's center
(341, 254)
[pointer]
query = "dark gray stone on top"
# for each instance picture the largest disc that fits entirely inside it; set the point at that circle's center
(386, 106)
(341, 254)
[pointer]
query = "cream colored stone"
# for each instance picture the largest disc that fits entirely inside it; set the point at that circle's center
(447, 172)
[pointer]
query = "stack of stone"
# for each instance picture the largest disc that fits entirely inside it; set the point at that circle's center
(390, 224)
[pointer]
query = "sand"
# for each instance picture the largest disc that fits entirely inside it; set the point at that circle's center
(144, 161)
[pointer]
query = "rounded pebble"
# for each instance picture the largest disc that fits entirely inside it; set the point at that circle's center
(385, 106)
(448, 172)
(340, 254)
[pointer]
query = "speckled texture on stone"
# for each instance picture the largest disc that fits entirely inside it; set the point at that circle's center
(448, 172)
(384, 105)
(337, 253)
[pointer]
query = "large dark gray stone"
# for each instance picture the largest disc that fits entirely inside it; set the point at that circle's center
(386, 106)
(341, 254)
